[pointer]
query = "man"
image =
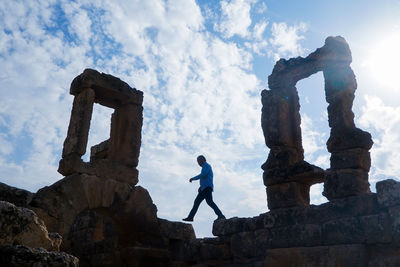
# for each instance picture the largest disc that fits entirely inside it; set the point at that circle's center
(205, 190)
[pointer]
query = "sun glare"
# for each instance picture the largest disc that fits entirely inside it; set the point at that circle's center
(384, 61)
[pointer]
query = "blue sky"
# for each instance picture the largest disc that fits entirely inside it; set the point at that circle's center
(201, 66)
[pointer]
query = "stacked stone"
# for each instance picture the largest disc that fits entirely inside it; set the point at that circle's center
(287, 176)
(348, 145)
(117, 157)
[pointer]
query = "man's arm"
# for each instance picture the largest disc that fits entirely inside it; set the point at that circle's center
(204, 171)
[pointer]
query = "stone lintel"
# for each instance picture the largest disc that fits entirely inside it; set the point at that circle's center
(110, 91)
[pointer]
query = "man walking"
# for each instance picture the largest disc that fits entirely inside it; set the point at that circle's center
(205, 190)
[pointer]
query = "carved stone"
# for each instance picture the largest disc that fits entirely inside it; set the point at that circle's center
(350, 161)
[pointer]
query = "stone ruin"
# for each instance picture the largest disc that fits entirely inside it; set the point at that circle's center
(99, 214)
(286, 175)
(118, 156)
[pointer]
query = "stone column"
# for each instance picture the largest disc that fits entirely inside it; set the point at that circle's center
(125, 137)
(348, 145)
(78, 131)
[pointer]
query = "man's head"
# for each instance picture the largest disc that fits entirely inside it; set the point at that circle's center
(201, 159)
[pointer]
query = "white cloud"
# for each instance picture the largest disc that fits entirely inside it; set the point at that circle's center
(259, 30)
(235, 18)
(285, 39)
(384, 123)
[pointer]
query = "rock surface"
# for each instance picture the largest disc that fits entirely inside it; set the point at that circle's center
(21, 226)
(16, 196)
(25, 256)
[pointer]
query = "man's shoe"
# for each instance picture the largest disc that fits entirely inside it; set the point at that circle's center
(222, 217)
(188, 219)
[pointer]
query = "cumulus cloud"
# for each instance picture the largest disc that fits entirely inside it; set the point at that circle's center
(285, 39)
(235, 18)
(383, 122)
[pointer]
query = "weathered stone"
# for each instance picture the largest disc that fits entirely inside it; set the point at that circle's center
(329, 256)
(18, 197)
(25, 256)
(394, 213)
(349, 138)
(388, 193)
(78, 129)
(125, 137)
(351, 159)
(288, 195)
(176, 230)
(302, 172)
(295, 235)
(21, 226)
(243, 245)
(107, 169)
(376, 228)
(343, 231)
(345, 182)
(228, 227)
(130, 208)
(280, 121)
(110, 91)
(99, 151)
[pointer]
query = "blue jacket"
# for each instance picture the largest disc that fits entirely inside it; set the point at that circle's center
(206, 177)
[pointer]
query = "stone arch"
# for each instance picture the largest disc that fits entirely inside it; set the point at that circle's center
(286, 175)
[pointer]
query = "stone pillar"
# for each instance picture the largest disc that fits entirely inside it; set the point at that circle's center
(348, 145)
(286, 175)
(125, 137)
(78, 131)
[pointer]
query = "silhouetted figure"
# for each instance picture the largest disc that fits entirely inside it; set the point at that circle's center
(205, 190)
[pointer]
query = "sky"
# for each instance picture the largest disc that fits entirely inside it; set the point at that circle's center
(202, 66)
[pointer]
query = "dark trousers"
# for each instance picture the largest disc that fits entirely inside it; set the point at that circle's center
(207, 195)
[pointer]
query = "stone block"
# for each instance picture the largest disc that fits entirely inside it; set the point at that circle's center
(176, 230)
(288, 195)
(125, 137)
(285, 217)
(110, 91)
(302, 172)
(345, 183)
(348, 138)
(18, 197)
(394, 213)
(377, 228)
(107, 169)
(343, 231)
(229, 226)
(388, 193)
(356, 158)
(243, 245)
(21, 226)
(295, 235)
(360, 205)
(99, 151)
(280, 118)
(26, 256)
(328, 256)
(78, 129)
